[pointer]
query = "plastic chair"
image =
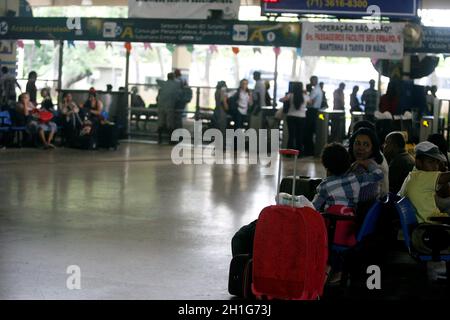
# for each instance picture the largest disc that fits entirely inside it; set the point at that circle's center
(367, 229)
(435, 239)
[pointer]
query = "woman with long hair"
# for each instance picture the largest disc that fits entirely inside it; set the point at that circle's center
(363, 145)
(243, 100)
(296, 114)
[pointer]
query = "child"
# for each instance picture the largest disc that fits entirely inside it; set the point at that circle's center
(341, 187)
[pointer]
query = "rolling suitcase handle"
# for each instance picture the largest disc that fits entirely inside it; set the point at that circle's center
(290, 152)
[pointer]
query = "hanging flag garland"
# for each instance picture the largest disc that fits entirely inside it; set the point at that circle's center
(91, 45)
(170, 47)
(148, 46)
(20, 44)
(190, 48)
(235, 50)
(277, 51)
(37, 43)
(213, 48)
(128, 46)
(257, 50)
(108, 44)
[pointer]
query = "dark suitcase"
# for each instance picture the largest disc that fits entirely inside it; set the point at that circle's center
(304, 186)
(86, 142)
(240, 278)
(108, 136)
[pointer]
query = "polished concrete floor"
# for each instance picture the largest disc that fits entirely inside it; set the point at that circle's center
(138, 226)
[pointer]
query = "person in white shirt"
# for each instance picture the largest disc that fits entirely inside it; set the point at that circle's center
(244, 99)
(296, 116)
(314, 104)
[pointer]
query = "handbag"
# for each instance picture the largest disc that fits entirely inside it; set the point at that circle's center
(45, 116)
(345, 234)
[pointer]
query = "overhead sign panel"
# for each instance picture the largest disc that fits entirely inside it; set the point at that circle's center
(429, 40)
(353, 8)
(182, 9)
(352, 40)
(232, 32)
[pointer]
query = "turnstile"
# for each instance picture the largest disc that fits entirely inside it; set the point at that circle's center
(330, 127)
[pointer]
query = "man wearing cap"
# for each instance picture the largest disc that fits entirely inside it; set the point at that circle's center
(421, 187)
(422, 184)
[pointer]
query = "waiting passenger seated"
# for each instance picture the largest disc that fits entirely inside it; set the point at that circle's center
(136, 99)
(72, 122)
(401, 163)
(424, 182)
(342, 187)
(28, 116)
(422, 186)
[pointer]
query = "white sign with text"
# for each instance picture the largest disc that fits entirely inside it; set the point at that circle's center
(338, 39)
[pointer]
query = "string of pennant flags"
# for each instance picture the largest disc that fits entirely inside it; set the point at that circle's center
(148, 46)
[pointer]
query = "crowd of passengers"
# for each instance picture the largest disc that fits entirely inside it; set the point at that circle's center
(366, 172)
(41, 121)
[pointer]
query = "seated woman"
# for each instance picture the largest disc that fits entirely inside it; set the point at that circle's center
(72, 122)
(92, 108)
(364, 145)
(29, 116)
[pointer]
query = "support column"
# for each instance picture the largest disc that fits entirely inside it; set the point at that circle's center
(8, 48)
(60, 66)
(127, 74)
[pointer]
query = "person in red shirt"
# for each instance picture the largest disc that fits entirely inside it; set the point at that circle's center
(390, 100)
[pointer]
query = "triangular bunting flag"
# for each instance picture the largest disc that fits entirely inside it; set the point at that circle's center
(37, 43)
(128, 46)
(256, 50)
(170, 47)
(148, 46)
(70, 43)
(190, 48)
(20, 44)
(108, 44)
(91, 45)
(213, 48)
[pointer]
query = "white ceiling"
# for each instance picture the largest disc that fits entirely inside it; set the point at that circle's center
(103, 2)
(427, 4)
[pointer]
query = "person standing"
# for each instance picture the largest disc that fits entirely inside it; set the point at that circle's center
(355, 105)
(370, 100)
(168, 97)
(31, 87)
(339, 97)
(315, 102)
(185, 98)
(239, 104)
(431, 98)
(259, 100)
(324, 99)
(296, 115)
(220, 118)
(8, 83)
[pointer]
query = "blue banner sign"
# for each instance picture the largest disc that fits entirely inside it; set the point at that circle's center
(432, 40)
(353, 8)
